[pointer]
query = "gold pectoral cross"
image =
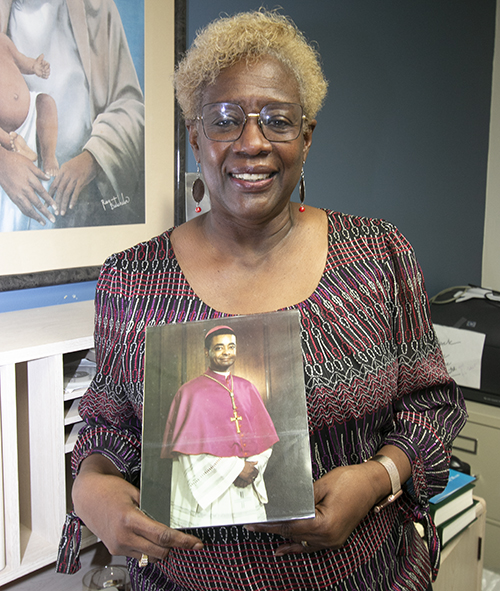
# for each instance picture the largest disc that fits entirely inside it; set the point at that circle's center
(236, 419)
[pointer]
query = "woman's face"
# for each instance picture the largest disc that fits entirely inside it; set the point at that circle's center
(251, 177)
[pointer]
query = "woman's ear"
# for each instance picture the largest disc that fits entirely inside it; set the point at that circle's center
(308, 137)
(193, 134)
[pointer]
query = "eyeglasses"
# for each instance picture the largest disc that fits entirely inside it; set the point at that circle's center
(279, 122)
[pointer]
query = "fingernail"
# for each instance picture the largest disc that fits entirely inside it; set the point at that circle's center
(249, 527)
(198, 546)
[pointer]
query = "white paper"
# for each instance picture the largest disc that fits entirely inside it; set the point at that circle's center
(78, 375)
(463, 352)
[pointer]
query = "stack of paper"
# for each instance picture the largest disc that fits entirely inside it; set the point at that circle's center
(78, 374)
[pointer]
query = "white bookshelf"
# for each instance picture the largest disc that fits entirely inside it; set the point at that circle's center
(38, 426)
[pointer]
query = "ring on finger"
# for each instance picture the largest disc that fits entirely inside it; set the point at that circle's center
(144, 560)
(305, 545)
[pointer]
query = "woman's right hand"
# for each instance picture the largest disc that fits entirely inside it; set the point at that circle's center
(109, 507)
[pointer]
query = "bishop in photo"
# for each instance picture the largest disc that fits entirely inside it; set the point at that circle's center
(220, 437)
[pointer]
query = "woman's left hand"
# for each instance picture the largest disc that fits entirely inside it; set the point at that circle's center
(343, 497)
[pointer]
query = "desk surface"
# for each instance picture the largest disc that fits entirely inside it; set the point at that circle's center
(39, 332)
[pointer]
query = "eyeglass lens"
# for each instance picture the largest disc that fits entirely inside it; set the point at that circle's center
(279, 122)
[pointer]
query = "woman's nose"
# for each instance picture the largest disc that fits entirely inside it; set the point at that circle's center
(252, 140)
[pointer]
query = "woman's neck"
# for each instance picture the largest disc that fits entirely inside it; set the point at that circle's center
(248, 238)
(241, 270)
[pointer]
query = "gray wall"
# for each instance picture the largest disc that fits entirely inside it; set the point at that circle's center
(404, 132)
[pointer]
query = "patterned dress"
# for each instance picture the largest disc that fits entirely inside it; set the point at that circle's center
(374, 375)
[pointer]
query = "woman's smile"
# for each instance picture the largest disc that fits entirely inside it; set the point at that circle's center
(250, 177)
(252, 181)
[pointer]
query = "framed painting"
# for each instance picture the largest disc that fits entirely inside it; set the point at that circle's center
(149, 36)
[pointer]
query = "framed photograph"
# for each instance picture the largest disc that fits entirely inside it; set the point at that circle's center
(151, 33)
(225, 427)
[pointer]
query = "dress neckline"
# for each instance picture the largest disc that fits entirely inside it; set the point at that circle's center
(291, 307)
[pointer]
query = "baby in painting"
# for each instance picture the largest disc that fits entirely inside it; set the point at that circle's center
(26, 115)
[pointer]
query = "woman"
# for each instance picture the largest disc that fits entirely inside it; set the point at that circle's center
(376, 384)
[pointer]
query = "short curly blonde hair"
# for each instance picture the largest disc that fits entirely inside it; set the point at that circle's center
(249, 36)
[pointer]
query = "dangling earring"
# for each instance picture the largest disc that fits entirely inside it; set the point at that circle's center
(302, 190)
(198, 189)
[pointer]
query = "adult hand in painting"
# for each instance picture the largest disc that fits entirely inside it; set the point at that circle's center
(21, 180)
(73, 176)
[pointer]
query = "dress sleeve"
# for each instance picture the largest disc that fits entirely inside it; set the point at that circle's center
(429, 410)
(112, 406)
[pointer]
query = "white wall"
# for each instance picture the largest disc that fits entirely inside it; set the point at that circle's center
(491, 252)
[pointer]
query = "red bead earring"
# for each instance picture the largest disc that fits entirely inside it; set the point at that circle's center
(302, 191)
(198, 189)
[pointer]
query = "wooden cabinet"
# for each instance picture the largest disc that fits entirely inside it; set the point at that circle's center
(35, 426)
(462, 558)
(478, 444)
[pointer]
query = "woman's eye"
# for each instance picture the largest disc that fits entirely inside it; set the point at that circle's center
(226, 122)
(278, 123)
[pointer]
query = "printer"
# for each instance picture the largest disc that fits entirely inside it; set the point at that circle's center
(475, 309)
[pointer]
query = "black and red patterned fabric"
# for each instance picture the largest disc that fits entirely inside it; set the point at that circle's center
(374, 375)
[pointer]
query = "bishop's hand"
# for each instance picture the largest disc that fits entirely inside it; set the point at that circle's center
(247, 475)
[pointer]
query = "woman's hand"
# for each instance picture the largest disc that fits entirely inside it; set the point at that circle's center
(343, 497)
(109, 507)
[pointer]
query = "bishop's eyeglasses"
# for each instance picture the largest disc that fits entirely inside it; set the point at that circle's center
(279, 122)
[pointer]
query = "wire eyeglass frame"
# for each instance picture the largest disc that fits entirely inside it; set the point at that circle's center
(292, 133)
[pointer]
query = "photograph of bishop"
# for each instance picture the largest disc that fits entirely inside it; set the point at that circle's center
(220, 438)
